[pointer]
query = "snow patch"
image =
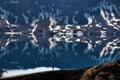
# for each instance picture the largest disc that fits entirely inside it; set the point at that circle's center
(11, 73)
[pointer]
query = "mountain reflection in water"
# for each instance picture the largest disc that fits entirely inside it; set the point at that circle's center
(61, 34)
(64, 52)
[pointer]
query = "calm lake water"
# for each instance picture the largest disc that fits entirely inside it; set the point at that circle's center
(58, 33)
(64, 55)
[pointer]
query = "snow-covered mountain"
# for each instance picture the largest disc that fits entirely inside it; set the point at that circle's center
(50, 32)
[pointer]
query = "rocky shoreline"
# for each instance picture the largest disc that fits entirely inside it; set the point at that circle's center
(107, 71)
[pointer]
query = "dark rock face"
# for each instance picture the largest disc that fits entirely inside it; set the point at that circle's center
(107, 71)
(1, 72)
(105, 76)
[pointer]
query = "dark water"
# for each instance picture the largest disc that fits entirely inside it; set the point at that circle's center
(96, 41)
(64, 55)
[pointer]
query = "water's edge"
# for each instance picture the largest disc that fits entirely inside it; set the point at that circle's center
(96, 72)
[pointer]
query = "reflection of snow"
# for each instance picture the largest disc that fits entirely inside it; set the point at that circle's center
(12, 33)
(10, 73)
(110, 47)
(103, 34)
(34, 25)
(66, 33)
(106, 16)
(89, 48)
(52, 43)
(52, 22)
(79, 34)
(25, 18)
(89, 18)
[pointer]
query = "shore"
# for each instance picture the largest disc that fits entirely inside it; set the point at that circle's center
(107, 71)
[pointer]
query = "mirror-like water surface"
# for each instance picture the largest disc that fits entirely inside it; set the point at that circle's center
(62, 34)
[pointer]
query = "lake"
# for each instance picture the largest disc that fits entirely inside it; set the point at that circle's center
(59, 34)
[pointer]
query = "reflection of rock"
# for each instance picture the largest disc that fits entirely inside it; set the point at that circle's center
(98, 27)
(107, 71)
(4, 26)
